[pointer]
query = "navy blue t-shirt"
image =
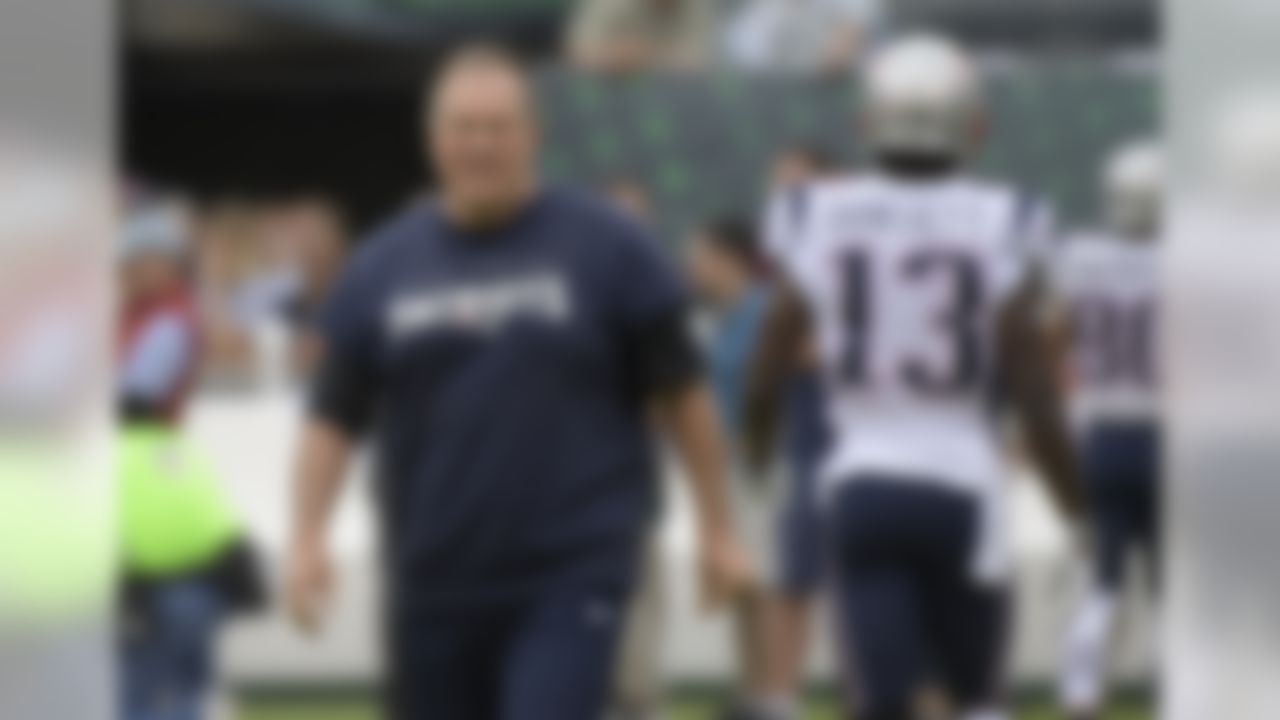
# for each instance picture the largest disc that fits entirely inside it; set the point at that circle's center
(506, 375)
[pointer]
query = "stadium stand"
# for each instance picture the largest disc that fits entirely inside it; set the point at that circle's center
(703, 144)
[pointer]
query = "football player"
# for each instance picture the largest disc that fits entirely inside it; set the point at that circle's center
(919, 282)
(1108, 282)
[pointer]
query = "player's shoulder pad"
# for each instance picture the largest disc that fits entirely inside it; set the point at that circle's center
(795, 206)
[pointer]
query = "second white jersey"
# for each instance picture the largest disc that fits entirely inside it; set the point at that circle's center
(905, 281)
(1110, 289)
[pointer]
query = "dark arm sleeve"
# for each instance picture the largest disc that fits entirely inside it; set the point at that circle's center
(655, 310)
(669, 358)
(345, 388)
(342, 395)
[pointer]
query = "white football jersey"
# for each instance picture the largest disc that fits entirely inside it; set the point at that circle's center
(905, 281)
(1110, 287)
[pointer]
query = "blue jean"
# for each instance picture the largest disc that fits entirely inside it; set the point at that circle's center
(168, 662)
(800, 546)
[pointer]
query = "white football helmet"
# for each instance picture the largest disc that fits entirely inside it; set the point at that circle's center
(1133, 186)
(923, 95)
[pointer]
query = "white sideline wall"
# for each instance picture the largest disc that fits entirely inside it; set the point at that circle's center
(251, 439)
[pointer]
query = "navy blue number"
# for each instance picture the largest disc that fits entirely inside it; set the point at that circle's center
(1115, 340)
(855, 307)
(959, 319)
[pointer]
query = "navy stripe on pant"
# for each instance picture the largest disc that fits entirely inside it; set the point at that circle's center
(909, 611)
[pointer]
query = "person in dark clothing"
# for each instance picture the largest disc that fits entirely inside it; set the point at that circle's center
(506, 344)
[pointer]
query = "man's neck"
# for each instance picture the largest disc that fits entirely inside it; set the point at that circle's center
(469, 215)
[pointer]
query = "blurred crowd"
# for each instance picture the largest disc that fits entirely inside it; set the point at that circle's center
(774, 36)
(255, 273)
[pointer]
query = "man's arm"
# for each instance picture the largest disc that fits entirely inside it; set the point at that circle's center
(321, 465)
(780, 342)
(1030, 354)
(341, 405)
(688, 418)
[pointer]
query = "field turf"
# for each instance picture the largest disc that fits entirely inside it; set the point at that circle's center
(693, 708)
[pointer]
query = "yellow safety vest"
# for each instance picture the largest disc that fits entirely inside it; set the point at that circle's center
(173, 516)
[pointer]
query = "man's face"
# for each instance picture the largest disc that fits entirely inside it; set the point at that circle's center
(482, 137)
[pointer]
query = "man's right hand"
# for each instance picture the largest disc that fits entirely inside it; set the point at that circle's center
(309, 585)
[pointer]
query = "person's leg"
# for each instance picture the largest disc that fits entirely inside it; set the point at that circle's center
(1147, 504)
(792, 625)
(753, 617)
(1082, 685)
(189, 614)
(876, 604)
(445, 663)
(801, 548)
(142, 666)
(969, 631)
(561, 657)
(880, 642)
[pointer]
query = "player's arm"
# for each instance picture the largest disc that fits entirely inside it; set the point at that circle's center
(785, 330)
(1060, 331)
(1031, 358)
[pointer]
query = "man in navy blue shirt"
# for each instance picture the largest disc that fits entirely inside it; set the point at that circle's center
(509, 345)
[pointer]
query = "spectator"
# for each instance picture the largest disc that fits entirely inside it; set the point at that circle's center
(799, 542)
(725, 267)
(185, 563)
(159, 337)
(318, 237)
(635, 35)
(800, 163)
(265, 270)
(801, 36)
(225, 258)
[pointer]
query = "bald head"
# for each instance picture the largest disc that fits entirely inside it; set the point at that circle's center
(500, 73)
(482, 134)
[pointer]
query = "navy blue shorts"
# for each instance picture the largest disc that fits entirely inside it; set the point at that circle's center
(908, 610)
(801, 550)
(544, 654)
(1122, 469)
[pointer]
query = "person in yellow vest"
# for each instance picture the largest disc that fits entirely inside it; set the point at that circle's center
(186, 564)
